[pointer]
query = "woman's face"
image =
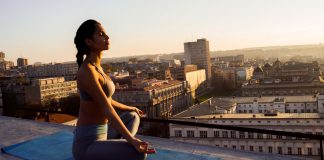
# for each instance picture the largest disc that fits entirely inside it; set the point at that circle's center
(100, 40)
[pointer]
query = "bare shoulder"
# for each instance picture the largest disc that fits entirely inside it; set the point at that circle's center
(86, 74)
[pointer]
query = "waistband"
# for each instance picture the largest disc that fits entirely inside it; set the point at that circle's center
(91, 131)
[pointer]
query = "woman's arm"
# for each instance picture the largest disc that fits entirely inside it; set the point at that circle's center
(124, 107)
(121, 106)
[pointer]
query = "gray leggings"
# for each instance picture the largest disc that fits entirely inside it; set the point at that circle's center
(90, 142)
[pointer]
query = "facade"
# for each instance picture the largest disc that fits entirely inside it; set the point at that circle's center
(157, 98)
(2, 56)
(41, 90)
(179, 72)
(21, 62)
(6, 65)
(198, 53)
(66, 70)
(1, 103)
(283, 89)
(287, 104)
(309, 123)
(197, 82)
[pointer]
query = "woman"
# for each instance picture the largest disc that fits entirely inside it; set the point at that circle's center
(93, 139)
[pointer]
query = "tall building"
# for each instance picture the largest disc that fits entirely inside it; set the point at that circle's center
(21, 62)
(198, 53)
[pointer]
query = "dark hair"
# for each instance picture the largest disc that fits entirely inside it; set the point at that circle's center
(85, 31)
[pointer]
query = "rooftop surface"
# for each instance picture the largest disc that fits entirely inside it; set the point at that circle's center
(15, 130)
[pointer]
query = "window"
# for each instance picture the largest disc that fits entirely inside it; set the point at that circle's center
(270, 149)
(178, 133)
(225, 146)
(279, 150)
(260, 149)
(190, 133)
(318, 133)
(260, 136)
(319, 151)
(279, 137)
(225, 135)
(250, 111)
(250, 135)
(242, 134)
(299, 151)
(251, 148)
(289, 150)
(242, 147)
(216, 134)
(233, 134)
(309, 151)
(260, 111)
(269, 136)
(295, 110)
(203, 134)
(234, 147)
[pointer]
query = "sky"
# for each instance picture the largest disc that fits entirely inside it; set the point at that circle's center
(43, 30)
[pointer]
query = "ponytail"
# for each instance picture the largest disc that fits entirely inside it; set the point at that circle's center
(85, 31)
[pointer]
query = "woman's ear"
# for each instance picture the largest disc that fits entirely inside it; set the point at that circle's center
(87, 42)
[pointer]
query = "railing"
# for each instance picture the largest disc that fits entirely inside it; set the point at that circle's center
(320, 138)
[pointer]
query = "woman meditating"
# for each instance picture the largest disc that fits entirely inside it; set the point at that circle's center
(100, 132)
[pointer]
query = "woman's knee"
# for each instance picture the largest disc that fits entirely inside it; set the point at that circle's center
(133, 115)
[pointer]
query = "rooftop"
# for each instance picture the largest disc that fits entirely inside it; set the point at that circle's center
(14, 130)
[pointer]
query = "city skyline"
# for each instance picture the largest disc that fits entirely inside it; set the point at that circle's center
(44, 31)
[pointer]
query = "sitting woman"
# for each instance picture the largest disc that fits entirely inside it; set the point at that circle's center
(93, 137)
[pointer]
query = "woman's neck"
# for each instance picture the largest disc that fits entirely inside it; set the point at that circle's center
(94, 58)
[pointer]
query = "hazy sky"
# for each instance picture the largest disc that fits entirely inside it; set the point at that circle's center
(43, 30)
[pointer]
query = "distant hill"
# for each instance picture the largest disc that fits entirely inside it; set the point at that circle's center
(255, 52)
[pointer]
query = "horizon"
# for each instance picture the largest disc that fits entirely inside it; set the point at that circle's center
(44, 31)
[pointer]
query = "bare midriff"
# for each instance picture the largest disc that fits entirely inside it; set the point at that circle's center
(90, 113)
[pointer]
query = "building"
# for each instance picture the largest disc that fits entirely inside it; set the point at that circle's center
(234, 61)
(272, 88)
(198, 53)
(179, 72)
(6, 65)
(272, 104)
(196, 82)
(42, 90)
(22, 62)
(309, 123)
(157, 98)
(66, 70)
(1, 103)
(2, 56)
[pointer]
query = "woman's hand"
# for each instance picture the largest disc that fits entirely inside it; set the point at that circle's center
(139, 145)
(138, 111)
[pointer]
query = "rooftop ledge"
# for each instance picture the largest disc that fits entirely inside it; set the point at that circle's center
(15, 130)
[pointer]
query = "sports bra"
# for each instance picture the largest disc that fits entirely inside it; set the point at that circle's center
(108, 86)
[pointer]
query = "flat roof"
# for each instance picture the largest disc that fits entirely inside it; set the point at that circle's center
(16, 130)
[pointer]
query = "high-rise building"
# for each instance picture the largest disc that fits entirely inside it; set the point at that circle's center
(198, 53)
(21, 62)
